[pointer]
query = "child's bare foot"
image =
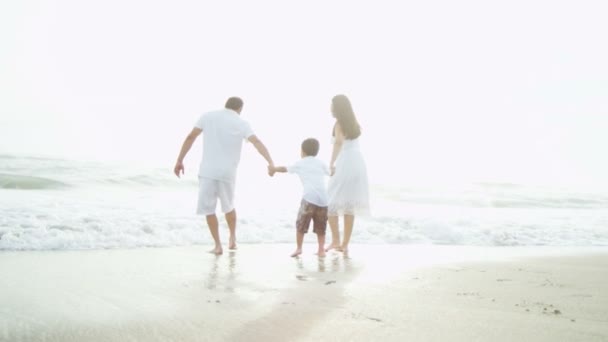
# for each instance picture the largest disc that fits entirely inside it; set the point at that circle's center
(332, 246)
(232, 244)
(342, 249)
(217, 251)
(296, 253)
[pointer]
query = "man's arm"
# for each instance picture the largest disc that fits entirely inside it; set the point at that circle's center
(179, 165)
(263, 151)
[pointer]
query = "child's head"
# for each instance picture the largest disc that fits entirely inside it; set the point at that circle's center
(310, 147)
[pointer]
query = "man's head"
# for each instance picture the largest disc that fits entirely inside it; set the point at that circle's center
(310, 147)
(235, 103)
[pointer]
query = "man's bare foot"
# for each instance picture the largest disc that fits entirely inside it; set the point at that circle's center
(217, 251)
(332, 246)
(232, 244)
(296, 253)
(320, 253)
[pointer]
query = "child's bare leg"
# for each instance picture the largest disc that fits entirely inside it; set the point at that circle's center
(349, 222)
(299, 241)
(213, 228)
(321, 241)
(231, 220)
(335, 233)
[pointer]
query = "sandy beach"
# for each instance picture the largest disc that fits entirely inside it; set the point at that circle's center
(258, 293)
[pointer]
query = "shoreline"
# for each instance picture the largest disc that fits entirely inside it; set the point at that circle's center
(380, 292)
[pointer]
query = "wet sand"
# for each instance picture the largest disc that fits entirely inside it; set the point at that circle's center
(258, 293)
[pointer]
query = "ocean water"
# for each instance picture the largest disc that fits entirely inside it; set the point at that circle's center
(55, 204)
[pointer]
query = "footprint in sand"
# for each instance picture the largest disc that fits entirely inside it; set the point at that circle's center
(374, 319)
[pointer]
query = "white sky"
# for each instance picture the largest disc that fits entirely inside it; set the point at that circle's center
(445, 90)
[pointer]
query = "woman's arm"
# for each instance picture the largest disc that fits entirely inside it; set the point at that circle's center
(339, 140)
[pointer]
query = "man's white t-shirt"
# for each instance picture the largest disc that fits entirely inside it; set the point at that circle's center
(312, 173)
(223, 135)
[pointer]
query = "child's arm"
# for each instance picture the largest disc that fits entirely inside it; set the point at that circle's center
(282, 169)
(274, 169)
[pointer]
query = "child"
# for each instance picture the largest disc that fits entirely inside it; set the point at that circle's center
(312, 173)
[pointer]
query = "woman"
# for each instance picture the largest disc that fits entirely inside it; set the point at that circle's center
(348, 187)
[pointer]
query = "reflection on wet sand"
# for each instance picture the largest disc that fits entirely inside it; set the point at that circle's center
(316, 282)
(221, 265)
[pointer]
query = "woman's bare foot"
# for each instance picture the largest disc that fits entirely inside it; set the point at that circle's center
(342, 249)
(217, 251)
(232, 244)
(296, 253)
(332, 246)
(320, 253)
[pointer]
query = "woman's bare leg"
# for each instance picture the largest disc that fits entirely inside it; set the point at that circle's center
(349, 222)
(335, 232)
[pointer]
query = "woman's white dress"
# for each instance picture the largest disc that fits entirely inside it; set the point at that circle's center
(348, 188)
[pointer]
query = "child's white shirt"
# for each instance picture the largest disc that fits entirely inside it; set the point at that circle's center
(312, 173)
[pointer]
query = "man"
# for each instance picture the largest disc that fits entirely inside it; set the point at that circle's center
(223, 135)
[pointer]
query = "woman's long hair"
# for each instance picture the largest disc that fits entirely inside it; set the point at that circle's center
(344, 114)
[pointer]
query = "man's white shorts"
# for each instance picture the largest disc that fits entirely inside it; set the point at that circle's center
(209, 191)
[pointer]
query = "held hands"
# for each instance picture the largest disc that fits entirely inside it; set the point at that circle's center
(271, 170)
(178, 169)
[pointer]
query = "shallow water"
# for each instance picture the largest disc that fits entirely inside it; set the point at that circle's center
(48, 204)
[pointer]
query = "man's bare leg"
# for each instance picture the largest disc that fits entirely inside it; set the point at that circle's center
(299, 241)
(349, 222)
(231, 220)
(321, 241)
(335, 232)
(213, 228)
